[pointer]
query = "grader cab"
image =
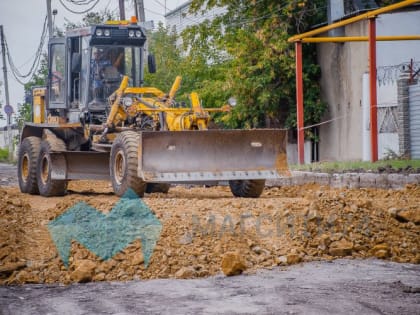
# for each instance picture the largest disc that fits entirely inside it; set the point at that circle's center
(97, 120)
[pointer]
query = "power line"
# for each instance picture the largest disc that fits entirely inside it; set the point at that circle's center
(79, 12)
(81, 2)
(35, 65)
(245, 21)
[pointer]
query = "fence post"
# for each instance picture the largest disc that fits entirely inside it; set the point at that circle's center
(403, 83)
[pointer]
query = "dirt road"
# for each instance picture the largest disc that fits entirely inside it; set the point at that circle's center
(200, 227)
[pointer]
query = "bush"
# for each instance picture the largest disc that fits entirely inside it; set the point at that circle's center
(4, 155)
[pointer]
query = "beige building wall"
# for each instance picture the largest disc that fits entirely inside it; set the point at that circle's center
(342, 67)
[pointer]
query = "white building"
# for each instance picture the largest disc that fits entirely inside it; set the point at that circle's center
(180, 18)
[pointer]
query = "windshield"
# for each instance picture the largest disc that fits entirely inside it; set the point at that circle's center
(108, 65)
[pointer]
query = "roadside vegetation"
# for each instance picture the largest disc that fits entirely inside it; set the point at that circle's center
(389, 166)
(4, 155)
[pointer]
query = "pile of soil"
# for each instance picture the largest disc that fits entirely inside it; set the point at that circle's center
(202, 226)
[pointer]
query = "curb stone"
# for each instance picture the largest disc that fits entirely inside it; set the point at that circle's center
(347, 180)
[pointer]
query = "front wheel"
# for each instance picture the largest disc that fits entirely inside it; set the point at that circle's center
(247, 188)
(123, 164)
(157, 188)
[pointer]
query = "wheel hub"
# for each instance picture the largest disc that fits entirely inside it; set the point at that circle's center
(45, 168)
(25, 167)
(119, 167)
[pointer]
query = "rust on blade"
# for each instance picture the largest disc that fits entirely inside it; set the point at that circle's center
(281, 164)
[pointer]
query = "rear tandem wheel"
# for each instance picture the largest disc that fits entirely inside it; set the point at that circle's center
(46, 185)
(27, 164)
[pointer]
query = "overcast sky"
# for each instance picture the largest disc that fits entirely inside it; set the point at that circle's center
(22, 21)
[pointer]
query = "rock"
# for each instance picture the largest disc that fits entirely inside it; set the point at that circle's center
(232, 264)
(293, 259)
(27, 277)
(257, 250)
(138, 259)
(314, 216)
(341, 248)
(185, 239)
(9, 268)
(4, 252)
(185, 273)
(83, 271)
(409, 216)
(99, 277)
(324, 240)
(393, 212)
(381, 251)
(289, 259)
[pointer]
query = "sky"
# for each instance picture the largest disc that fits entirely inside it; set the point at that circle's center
(22, 22)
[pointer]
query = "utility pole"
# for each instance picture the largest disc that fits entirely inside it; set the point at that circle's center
(49, 19)
(140, 11)
(122, 9)
(6, 88)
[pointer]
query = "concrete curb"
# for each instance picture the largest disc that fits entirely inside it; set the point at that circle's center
(347, 180)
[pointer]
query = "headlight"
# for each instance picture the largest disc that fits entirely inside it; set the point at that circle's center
(232, 101)
(138, 34)
(98, 32)
(107, 33)
(127, 101)
(131, 33)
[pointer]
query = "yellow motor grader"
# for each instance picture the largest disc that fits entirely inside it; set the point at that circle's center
(96, 120)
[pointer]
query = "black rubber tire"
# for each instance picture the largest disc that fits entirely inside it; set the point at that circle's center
(28, 159)
(247, 188)
(157, 188)
(48, 187)
(123, 164)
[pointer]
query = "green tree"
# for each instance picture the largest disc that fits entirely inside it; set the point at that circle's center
(92, 18)
(24, 114)
(162, 44)
(198, 75)
(251, 40)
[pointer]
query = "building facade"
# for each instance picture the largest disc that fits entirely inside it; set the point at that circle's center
(180, 18)
(345, 87)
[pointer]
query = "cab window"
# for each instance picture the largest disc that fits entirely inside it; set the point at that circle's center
(57, 73)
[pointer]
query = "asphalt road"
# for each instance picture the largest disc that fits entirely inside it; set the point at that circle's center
(339, 287)
(8, 174)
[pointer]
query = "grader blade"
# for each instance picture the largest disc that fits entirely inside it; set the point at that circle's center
(212, 155)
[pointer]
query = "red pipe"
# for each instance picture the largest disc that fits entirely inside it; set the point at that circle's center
(299, 102)
(373, 92)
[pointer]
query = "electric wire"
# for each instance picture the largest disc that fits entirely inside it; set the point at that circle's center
(79, 12)
(35, 65)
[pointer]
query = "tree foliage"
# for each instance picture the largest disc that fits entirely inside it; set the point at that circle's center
(197, 73)
(92, 18)
(252, 39)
